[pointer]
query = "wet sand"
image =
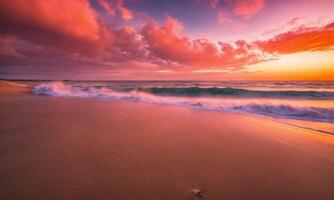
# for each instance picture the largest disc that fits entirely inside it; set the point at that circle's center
(13, 88)
(72, 148)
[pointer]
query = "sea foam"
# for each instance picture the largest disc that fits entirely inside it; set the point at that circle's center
(264, 109)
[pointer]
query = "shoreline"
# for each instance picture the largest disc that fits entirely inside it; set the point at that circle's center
(76, 148)
(10, 88)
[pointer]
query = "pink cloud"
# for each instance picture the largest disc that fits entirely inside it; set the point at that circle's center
(294, 21)
(247, 8)
(227, 10)
(223, 17)
(166, 43)
(67, 34)
(6, 47)
(127, 45)
(118, 5)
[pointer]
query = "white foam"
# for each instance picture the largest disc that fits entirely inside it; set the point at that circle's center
(273, 110)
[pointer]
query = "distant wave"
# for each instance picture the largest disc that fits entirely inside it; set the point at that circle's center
(229, 91)
(288, 111)
(272, 110)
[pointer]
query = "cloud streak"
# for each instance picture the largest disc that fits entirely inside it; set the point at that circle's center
(299, 40)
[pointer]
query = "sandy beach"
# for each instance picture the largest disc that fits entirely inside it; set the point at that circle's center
(166, 100)
(77, 148)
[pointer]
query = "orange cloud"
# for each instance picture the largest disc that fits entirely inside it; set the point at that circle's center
(70, 17)
(67, 33)
(126, 14)
(56, 25)
(117, 5)
(299, 40)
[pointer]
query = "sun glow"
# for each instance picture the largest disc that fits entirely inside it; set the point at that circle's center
(301, 66)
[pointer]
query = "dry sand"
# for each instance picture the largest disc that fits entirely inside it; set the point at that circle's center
(68, 149)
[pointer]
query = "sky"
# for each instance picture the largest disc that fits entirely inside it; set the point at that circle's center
(167, 39)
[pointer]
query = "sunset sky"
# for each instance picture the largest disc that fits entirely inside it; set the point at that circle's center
(167, 39)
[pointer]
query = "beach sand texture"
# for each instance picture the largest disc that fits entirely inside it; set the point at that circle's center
(71, 148)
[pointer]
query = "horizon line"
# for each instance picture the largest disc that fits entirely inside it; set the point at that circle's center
(184, 80)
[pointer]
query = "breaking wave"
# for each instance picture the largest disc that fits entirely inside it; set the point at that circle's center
(229, 91)
(264, 109)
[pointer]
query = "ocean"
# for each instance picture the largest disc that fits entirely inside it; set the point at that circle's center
(308, 105)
